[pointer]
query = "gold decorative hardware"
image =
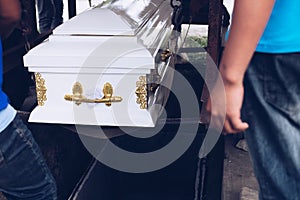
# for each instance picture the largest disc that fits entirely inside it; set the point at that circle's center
(78, 98)
(40, 89)
(165, 55)
(141, 92)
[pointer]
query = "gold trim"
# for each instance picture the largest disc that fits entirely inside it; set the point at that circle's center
(141, 92)
(78, 98)
(40, 89)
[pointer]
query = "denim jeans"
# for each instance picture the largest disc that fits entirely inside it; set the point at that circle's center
(272, 109)
(23, 171)
(50, 14)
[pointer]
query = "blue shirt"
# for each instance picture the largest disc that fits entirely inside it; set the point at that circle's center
(7, 113)
(282, 34)
(3, 97)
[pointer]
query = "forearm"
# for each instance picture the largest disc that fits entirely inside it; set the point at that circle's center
(10, 14)
(249, 21)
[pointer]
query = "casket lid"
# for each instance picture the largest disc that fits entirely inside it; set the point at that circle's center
(122, 17)
(90, 53)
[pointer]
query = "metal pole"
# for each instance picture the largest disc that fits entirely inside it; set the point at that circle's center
(71, 8)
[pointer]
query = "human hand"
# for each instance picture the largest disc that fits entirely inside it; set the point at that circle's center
(234, 100)
(10, 14)
(227, 113)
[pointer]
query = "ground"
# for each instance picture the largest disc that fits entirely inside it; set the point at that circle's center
(238, 173)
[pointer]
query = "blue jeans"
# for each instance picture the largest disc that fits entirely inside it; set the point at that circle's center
(272, 109)
(23, 171)
(50, 14)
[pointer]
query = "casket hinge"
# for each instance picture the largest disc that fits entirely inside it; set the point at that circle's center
(165, 55)
(78, 98)
(40, 89)
(153, 80)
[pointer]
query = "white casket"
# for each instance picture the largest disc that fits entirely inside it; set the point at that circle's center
(104, 66)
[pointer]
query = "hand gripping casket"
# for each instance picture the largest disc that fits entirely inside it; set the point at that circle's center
(106, 66)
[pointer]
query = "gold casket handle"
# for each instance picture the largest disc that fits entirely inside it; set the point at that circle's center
(78, 98)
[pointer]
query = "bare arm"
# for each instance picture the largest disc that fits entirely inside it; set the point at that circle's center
(10, 14)
(249, 21)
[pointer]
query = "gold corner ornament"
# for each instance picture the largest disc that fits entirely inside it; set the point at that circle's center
(78, 98)
(141, 92)
(40, 89)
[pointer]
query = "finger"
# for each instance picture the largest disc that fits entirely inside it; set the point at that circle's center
(237, 125)
(234, 125)
(207, 105)
(227, 129)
